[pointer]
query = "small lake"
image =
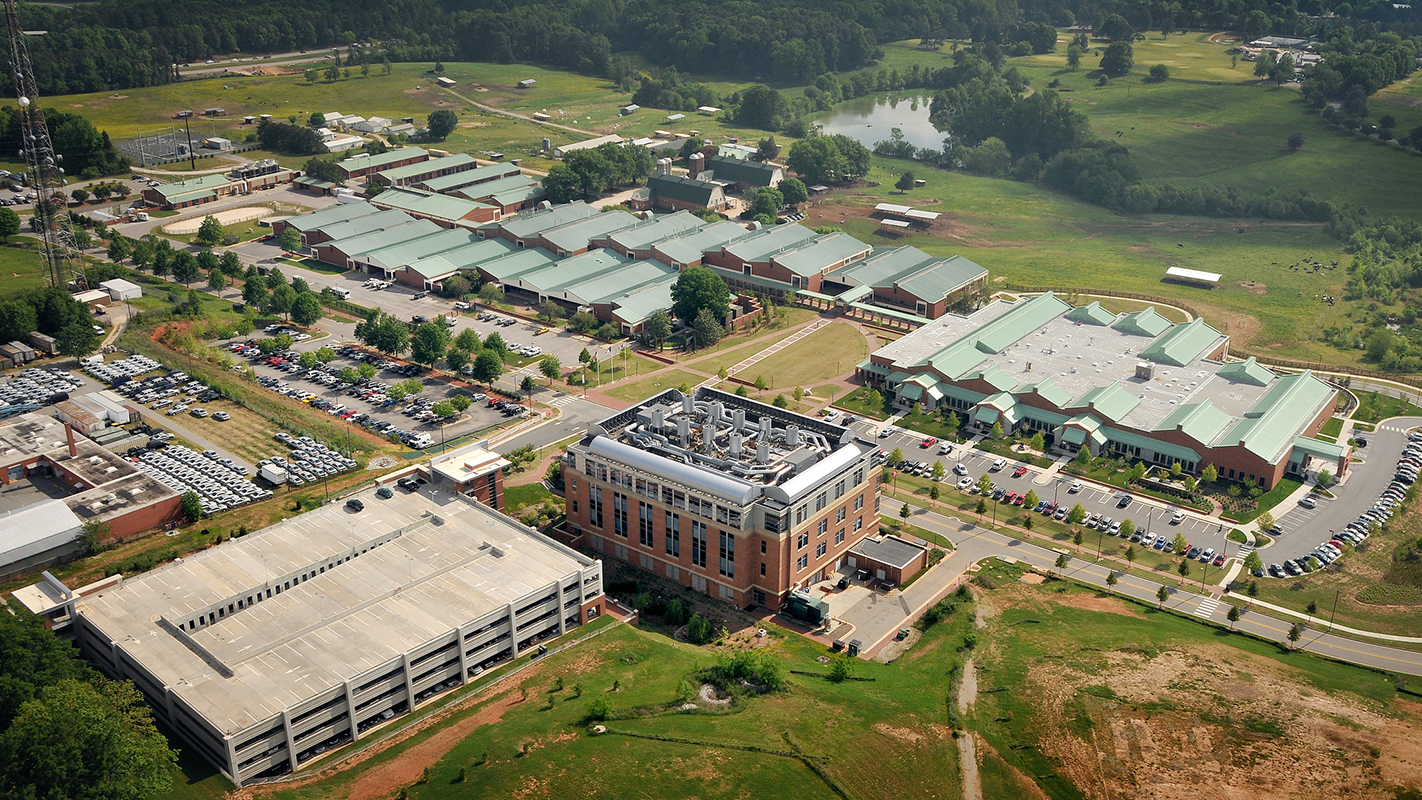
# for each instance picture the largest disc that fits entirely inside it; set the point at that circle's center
(870, 119)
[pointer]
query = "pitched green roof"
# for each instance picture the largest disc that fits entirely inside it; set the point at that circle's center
(340, 212)
(208, 183)
(379, 162)
(1110, 401)
(1271, 426)
(1093, 314)
(957, 359)
(531, 223)
(516, 264)
(1201, 421)
(1247, 371)
(940, 278)
(813, 258)
(577, 235)
(634, 306)
(380, 220)
(353, 246)
(689, 248)
(469, 177)
(1183, 343)
(884, 267)
(487, 189)
(657, 229)
(1050, 392)
(1143, 323)
(425, 167)
(769, 242)
(1024, 317)
(407, 253)
(1320, 449)
(683, 189)
(740, 170)
(419, 201)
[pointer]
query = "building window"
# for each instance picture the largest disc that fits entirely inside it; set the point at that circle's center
(821, 500)
(804, 541)
(858, 502)
(673, 572)
(823, 528)
(839, 515)
(728, 554)
(803, 562)
(644, 523)
(839, 534)
(800, 515)
(820, 550)
(858, 524)
(858, 476)
(619, 514)
(673, 537)
(762, 569)
(698, 543)
(595, 506)
(759, 597)
(762, 547)
(839, 489)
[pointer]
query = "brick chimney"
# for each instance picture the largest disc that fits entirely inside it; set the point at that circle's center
(69, 435)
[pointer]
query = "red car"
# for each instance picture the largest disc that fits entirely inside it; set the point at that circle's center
(1018, 500)
(1019, 472)
(927, 443)
(1219, 560)
(1009, 498)
(1050, 509)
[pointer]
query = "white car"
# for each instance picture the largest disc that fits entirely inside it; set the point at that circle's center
(1177, 518)
(964, 482)
(998, 464)
(177, 409)
(1074, 488)
(959, 469)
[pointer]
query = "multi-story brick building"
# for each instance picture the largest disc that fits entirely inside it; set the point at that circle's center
(734, 498)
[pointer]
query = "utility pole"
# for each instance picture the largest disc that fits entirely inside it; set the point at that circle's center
(192, 156)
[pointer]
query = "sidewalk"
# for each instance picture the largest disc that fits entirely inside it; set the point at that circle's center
(1326, 626)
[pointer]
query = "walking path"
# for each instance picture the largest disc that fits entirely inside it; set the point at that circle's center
(769, 351)
(967, 695)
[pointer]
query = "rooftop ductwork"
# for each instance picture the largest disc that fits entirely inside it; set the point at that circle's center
(737, 445)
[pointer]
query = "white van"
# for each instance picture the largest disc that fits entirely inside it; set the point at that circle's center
(344, 294)
(421, 441)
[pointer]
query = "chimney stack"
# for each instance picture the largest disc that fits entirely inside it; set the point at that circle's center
(762, 452)
(737, 445)
(738, 418)
(69, 435)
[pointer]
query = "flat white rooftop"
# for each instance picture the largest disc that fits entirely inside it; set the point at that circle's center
(1193, 274)
(448, 560)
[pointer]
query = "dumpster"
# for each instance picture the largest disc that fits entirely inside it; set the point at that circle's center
(854, 646)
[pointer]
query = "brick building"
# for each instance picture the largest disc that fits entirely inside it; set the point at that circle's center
(734, 498)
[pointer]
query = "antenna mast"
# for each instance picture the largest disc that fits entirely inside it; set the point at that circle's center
(51, 215)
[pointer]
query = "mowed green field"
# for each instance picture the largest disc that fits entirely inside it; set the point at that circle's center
(21, 270)
(1024, 234)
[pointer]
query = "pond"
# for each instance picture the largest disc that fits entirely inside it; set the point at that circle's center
(870, 119)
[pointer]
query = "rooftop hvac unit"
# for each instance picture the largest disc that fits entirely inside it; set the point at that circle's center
(762, 452)
(659, 419)
(683, 430)
(688, 404)
(738, 419)
(792, 435)
(765, 429)
(737, 445)
(708, 434)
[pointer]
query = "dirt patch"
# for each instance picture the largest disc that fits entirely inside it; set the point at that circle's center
(385, 780)
(1096, 602)
(907, 735)
(1242, 328)
(1253, 287)
(475, 124)
(1033, 578)
(826, 212)
(1026, 788)
(1248, 729)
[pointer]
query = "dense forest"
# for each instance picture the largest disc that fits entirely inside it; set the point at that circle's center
(116, 44)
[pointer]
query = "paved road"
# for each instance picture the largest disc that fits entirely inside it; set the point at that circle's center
(1303, 529)
(976, 543)
(220, 65)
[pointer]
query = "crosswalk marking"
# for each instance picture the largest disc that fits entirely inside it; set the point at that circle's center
(559, 402)
(1206, 608)
(1245, 550)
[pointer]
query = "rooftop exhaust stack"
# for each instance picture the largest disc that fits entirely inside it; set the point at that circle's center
(762, 452)
(708, 435)
(718, 412)
(737, 445)
(69, 434)
(765, 429)
(688, 404)
(683, 429)
(792, 435)
(738, 419)
(659, 419)
(1145, 370)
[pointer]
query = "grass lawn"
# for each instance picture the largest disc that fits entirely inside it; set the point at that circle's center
(931, 425)
(517, 498)
(1271, 498)
(646, 387)
(1374, 407)
(727, 358)
(1332, 427)
(22, 271)
(827, 353)
(857, 401)
(193, 777)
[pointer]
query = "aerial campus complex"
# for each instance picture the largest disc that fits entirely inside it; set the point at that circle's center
(1134, 384)
(268, 650)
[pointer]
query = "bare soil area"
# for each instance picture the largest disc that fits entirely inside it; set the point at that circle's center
(1215, 724)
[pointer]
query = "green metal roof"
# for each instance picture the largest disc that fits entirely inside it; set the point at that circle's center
(638, 304)
(557, 276)
(872, 368)
(379, 162)
(1247, 371)
(1002, 401)
(941, 278)
(1183, 344)
(1050, 392)
(1201, 421)
(883, 268)
(185, 197)
(481, 191)
(684, 189)
(1319, 449)
(519, 196)
(769, 242)
(657, 229)
(419, 168)
(364, 243)
(690, 248)
(911, 391)
(1271, 426)
(1130, 439)
(518, 262)
(1143, 323)
(340, 212)
(815, 257)
(1024, 317)
(433, 268)
(469, 177)
(957, 359)
(891, 313)
(1093, 314)
(531, 223)
(995, 377)
(172, 191)
(317, 183)
(379, 221)
(419, 201)
(477, 252)
(754, 173)
(577, 235)
(1110, 401)
(899, 377)
(409, 252)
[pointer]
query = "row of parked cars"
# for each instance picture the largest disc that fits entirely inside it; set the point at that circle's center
(38, 386)
(308, 461)
(1360, 529)
(220, 483)
(356, 354)
(113, 372)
